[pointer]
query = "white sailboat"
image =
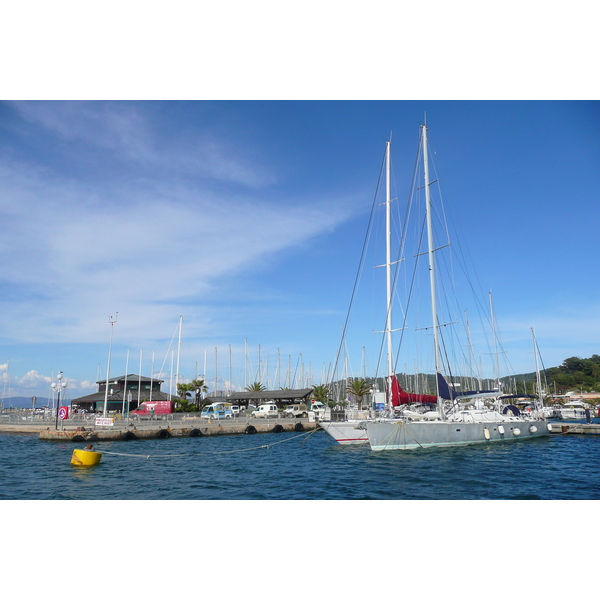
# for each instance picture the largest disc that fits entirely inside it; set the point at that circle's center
(547, 411)
(460, 424)
(349, 431)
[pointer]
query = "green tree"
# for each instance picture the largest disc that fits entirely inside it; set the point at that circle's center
(255, 387)
(320, 392)
(575, 373)
(184, 405)
(358, 388)
(198, 387)
(184, 390)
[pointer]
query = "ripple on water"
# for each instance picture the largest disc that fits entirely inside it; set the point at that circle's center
(302, 467)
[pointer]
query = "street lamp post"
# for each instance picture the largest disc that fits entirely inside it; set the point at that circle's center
(104, 413)
(58, 387)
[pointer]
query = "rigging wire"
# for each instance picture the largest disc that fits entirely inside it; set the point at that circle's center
(359, 271)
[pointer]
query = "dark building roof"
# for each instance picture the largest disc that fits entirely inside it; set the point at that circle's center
(281, 395)
(131, 377)
(118, 397)
(116, 385)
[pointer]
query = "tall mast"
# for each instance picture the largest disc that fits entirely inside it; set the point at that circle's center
(388, 271)
(430, 252)
(388, 276)
(230, 372)
(105, 412)
(178, 354)
(151, 375)
(496, 365)
(537, 372)
(245, 363)
(125, 384)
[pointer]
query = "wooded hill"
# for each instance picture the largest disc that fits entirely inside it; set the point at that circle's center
(574, 374)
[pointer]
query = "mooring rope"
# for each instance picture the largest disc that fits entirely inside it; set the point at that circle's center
(398, 425)
(263, 446)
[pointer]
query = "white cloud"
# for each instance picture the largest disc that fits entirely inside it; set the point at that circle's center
(32, 380)
(75, 250)
(123, 131)
(34, 383)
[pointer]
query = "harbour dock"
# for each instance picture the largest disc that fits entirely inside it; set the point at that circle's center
(575, 428)
(161, 428)
(156, 429)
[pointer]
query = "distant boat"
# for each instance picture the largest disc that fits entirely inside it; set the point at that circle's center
(574, 409)
(469, 423)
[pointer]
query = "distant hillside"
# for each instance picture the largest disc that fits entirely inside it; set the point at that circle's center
(576, 374)
(424, 383)
(25, 402)
(581, 374)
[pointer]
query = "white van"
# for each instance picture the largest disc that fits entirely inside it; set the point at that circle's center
(266, 410)
(217, 410)
(318, 408)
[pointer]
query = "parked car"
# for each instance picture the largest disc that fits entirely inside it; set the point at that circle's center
(296, 410)
(314, 409)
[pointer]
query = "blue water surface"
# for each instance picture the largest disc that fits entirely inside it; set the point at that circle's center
(292, 466)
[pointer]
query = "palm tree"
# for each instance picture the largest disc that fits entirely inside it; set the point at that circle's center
(358, 388)
(320, 392)
(198, 387)
(184, 390)
(255, 387)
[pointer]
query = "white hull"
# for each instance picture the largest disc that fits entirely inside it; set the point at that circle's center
(572, 413)
(345, 432)
(408, 435)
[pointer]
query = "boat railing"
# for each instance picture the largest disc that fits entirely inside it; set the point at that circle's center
(351, 414)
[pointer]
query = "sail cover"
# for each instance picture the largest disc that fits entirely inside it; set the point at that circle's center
(399, 396)
(448, 394)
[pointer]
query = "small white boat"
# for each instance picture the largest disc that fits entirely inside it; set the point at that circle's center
(345, 432)
(575, 409)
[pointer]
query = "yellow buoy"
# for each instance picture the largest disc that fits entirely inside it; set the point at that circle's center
(85, 458)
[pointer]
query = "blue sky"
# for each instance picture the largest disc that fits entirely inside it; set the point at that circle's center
(247, 218)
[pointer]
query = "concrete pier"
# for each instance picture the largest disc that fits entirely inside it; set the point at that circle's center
(197, 427)
(575, 428)
(159, 429)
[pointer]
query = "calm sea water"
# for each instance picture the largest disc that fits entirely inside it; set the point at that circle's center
(303, 467)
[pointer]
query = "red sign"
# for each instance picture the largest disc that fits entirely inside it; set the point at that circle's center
(63, 412)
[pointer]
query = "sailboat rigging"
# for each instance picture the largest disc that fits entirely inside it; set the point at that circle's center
(451, 424)
(347, 431)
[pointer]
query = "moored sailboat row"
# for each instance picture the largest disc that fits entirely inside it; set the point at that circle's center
(458, 417)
